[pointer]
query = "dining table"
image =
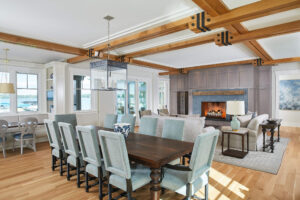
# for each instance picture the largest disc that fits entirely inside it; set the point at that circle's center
(154, 152)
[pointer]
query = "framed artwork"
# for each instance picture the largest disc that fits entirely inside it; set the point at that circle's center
(289, 94)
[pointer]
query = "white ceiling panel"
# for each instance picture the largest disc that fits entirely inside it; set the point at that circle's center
(231, 4)
(283, 46)
(201, 55)
(30, 54)
(272, 20)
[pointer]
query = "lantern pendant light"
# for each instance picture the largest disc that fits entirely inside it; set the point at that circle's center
(5, 86)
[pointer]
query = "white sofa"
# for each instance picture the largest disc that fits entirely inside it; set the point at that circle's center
(193, 126)
(255, 135)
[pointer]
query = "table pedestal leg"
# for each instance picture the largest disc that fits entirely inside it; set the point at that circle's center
(278, 140)
(272, 140)
(264, 141)
(155, 184)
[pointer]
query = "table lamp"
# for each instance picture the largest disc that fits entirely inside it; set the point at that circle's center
(235, 108)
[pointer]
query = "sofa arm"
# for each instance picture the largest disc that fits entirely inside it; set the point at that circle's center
(208, 129)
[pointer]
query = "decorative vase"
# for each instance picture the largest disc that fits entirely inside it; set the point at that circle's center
(123, 128)
(235, 123)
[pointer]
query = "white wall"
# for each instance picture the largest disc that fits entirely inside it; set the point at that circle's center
(286, 71)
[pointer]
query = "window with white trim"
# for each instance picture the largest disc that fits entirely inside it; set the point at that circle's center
(4, 98)
(27, 92)
(82, 93)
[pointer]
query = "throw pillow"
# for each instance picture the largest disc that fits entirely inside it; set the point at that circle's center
(254, 114)
(244, 119)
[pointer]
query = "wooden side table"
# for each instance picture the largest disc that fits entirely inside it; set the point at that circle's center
(271, 127)
(233, 152)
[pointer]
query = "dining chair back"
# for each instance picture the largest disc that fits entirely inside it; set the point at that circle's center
(55, 144)
(69, 139)
(27, 127)
(53, 134)
(115, 153)
(3, 131)
(110, 120)
(173, 129)
(148, 126)
(89, 144)
(202, 154)
(130, 119)
(67, 118)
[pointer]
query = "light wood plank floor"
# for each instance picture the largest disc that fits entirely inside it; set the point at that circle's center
(29, 177)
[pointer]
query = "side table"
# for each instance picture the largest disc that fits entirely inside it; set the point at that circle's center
(233, 152)
(270, 126)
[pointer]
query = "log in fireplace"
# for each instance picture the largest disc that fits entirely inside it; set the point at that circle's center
(214, 110)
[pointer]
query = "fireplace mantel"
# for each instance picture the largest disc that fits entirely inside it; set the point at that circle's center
(219, 92)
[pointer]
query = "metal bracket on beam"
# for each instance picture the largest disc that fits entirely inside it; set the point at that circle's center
(93, 54)
(223, 38)
(125, 59)
(258, 62)
(182, 71)
(197, 24)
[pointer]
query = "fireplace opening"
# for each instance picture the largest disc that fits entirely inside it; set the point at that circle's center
(213, 110)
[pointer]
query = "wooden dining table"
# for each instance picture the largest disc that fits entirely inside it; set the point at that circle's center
(154, 152)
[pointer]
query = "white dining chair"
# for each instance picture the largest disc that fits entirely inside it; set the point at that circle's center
(27, 127)
(3, 131)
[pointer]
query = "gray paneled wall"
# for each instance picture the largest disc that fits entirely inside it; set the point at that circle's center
(258, 81)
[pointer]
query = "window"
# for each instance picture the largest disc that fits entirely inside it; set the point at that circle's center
(4, 98)
(121, 97)
(82, 93)
(27, 92)
(142, 95)
(163, 94)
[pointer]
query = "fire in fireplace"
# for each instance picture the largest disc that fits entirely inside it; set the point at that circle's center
(214, 110)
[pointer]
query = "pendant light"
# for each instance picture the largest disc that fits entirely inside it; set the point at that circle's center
(5, 86)
(108, 75)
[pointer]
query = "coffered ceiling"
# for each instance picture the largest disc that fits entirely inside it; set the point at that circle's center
(81, 24)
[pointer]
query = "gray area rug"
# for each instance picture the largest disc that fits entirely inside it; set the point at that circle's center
(257, 160)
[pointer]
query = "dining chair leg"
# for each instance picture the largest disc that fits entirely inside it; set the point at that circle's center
(206, 192)
(53, 162)
(78, 172)
(109, 192)
(21, 146)
(86, 181)
(33, 145)
(14, 145)
(3, 148)
(100, 177)
(68, 172)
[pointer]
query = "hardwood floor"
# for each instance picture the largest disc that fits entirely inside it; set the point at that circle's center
(30, 177)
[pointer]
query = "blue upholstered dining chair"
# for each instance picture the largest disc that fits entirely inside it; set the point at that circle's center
(3, 131)
(117, 164)
(74, 158)
(110, 120)
(90, 150)
(187, 180)
(148, 126)
(173, 129)
(67, 118)
(55, 142)
(130, 119)
(27, 127)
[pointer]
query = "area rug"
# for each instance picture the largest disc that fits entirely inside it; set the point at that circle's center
(257, 160)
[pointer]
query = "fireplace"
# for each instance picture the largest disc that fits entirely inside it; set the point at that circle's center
(213, 110)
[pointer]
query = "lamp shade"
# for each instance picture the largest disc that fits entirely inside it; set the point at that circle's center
(235, 107)
(7, 88)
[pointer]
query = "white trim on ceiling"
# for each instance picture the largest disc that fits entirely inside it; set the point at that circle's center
(151, 23)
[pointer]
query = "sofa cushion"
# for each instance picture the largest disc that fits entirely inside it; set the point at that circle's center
(244, 119)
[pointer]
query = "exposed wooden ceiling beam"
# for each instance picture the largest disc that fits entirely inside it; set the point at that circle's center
(271, 31)
(244, 13)
(150, 65)
(155, 32)
(227, 64)
(217, 7)
(185, 70)
(15, 39)
(174, 46)
(283, 60)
